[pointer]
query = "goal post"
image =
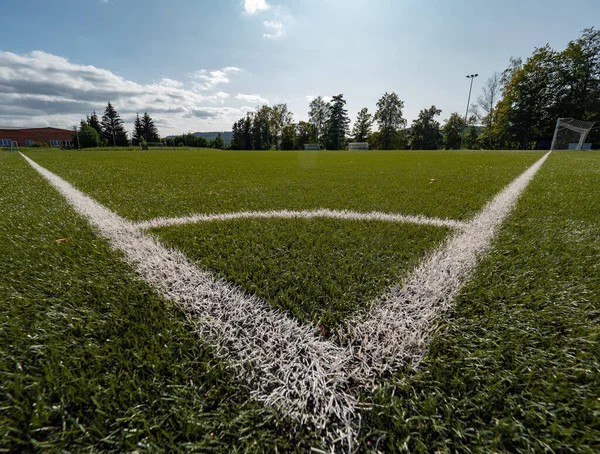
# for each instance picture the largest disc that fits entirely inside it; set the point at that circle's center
(147, 145)
(312, 147)
(570, 134)
(358, 146)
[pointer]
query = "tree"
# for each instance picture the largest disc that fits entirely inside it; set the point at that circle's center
(138, 131)
(238, 141)
(218, 142)
(279, 117)
(113, 131)
(526, 109)
(472, 136)
(452, 131)
(149, 130)
(389, 118)
(305, 133)
(318, 115)
(514, 65)
(88, 137)
(425, 131)
(487, 102)
(362, 127)
(288, 137)
(95, 123)
(262, 137)
(338, 124)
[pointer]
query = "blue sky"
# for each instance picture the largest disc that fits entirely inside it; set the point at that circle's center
(198, 65)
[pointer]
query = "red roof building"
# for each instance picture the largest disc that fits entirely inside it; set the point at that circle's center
(25, 137)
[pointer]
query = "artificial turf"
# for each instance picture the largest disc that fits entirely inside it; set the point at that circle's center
(320, 271)
(515, 366)
(92, 359)
(142, 185)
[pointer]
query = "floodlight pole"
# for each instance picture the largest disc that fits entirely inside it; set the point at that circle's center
(462, 139)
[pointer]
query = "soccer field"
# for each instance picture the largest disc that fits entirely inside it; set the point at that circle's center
(280, 301)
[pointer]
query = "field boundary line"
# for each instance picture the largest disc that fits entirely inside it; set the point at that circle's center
(321, 213)
(397, 330)
(286, 363)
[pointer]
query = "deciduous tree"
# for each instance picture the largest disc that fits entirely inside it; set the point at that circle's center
(389, 118)
(425, 130)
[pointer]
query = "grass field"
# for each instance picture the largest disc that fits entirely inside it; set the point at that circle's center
(93, 358)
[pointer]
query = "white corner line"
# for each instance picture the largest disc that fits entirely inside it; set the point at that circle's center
(397, 330)
(287, 364)
(289, 367)
(306, 214)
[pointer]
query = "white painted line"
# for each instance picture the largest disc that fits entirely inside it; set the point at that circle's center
(398, 328)
(286, 363)
(290, 214)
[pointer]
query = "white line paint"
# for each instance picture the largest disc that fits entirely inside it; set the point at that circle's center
(303, 376)
(287, 364)
(397, 330)
(312, 214)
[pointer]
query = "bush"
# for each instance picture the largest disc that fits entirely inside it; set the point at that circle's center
(39, 145)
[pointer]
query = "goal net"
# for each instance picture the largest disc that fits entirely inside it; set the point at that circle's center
(147, 145)
(570, 134)
(358, 146)
(312, 146)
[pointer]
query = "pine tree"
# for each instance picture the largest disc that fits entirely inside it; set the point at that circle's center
(95, 123)
(113, 131)
(138, 131)
(150, 133)
(362, 127)
(338, 124)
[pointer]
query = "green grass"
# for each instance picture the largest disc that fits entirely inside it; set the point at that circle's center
(93, 360)
(318, 270)
(142, 185)
(516, 367)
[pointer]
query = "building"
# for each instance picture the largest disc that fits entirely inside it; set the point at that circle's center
(25, 137)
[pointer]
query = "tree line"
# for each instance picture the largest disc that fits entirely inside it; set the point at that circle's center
(517, 109)
(110, 130)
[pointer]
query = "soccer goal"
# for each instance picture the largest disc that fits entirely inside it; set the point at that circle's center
(570, 134)
(312, 147)
(358, 146)
(148, 145)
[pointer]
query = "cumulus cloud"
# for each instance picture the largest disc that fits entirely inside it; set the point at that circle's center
(213, 78)
(254, 6)
(275, 29)
(252, 99)
(39, 88)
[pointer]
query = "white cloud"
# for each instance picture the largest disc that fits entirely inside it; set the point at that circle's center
(252, 99)
(254, 6)
(213, 78)
(39, 88)
(276, 29)
(166, 82)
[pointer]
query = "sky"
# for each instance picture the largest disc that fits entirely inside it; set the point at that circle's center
(199, 65)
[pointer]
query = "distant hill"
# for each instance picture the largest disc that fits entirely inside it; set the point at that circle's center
(227, 136)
